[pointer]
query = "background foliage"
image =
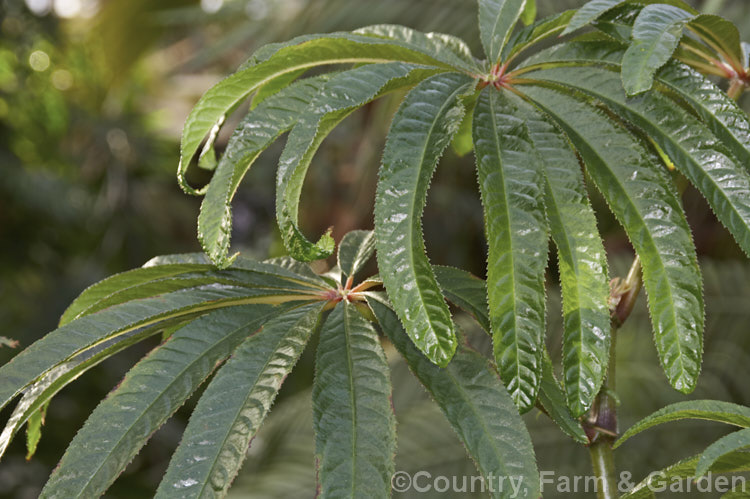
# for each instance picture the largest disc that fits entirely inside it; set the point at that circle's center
(91, 103)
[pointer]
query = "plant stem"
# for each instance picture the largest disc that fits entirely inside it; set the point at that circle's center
(602, 425)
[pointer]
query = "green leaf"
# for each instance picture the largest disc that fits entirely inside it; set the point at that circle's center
(174, 272)
(355, 428)
(496, 21)
(299, 268)
(234, 405)
(77, 336)
(588, 13)
(656, 34)
(34, 430)
(261, 127)
(711, 410)
(529, 12)
(582, 264)
(276, 85)
(38, 395)
(725, 445)
(685, 469)
(723, 116)
(421, 129)
(511, 176)
(596, 8)
(444, 48)
(692, 147)
(279, 60)
(466, 291)
(722, 36)
(552, 398)
(642, 198)
(355, 250)
(540, 30)
(476, 404)
(147, 396)
(341, 95)
(463, 143)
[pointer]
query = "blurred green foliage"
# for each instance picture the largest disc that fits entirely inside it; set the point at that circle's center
(90, 111)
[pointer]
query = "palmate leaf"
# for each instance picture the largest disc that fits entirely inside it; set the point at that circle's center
(279, 60)
(722, 115)
(657, 32)
(511, 177)
(721, 35)
(340, 96)
(355, 427)
(422, 127)
(476, 405)
(39, 394)
(644, 201)
(234, 405)
(582, 264)
(148, 395)
(496, 21)
(262, 126)
(593, 9)
(81, 334)
(711, 410)
(685, 469)
(470, 293)
(175, 272)
(444, 48)
(690, 145)
(725, 445)
(355, 250)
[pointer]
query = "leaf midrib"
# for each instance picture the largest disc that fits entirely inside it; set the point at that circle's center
(569, 244)
(676, 144)
(240, 407)
(673, 310)
(509, 241)
(174, 380)
(413, 201)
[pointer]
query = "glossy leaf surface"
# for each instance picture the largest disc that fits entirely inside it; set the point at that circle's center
(339, 97)
(476, 404)
(261, 127)
(355, 249)
(422, 128)
(711, 410)
(642, 198)
(725, 445)
(656, 34)
(279, 60)
(511, 176)
(355, 428)
(691, 146)
(496, 21)
(234, 405)
(148, 395)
